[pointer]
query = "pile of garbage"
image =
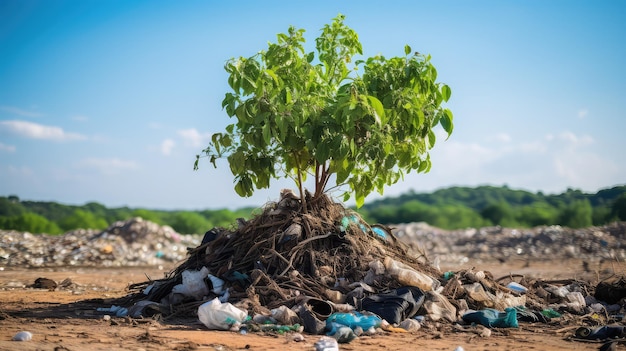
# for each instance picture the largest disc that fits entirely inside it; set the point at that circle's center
(135, 242)
(326, 271)
(486, 244)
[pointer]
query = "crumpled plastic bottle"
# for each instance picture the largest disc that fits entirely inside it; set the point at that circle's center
(406, 275)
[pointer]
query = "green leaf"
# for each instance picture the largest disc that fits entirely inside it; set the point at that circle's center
(378, 107)
(240, 189)
(287, 96)
(407, 49)
(446, 92)
(431, 138)
(422, 166)
(446, 121)
(360, 199)
(226, 141)
(267, 133)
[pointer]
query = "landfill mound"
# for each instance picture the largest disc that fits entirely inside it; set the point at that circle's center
(134, 242)
(329, 270)
(547, 243)
(283, 252)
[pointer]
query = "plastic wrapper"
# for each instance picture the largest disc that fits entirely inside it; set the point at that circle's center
(216, 315)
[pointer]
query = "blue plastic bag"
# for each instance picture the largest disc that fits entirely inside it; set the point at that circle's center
(351, 320)
(490, 317)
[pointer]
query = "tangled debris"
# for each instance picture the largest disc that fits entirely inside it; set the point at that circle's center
(330, 271)
(282, 253)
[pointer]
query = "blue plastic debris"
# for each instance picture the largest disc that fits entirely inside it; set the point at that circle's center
(490, 317)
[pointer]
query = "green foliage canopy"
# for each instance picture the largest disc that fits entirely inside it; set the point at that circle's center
(82, 219)
(324, 113)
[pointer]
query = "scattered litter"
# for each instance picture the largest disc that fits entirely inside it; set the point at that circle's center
(351, 320)
(601, 333)
(327, 271)
(119, 311)
(44, 283)
(221, 316)
(516, 287)
(326, 343)
(23, 336)
(493, 318)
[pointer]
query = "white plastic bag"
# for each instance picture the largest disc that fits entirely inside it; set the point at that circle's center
(193, 284)
(220, 316)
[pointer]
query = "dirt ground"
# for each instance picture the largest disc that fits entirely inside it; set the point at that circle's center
(66, 319)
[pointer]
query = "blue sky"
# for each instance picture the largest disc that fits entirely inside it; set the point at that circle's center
(110, 101)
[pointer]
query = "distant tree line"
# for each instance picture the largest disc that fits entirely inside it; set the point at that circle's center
(450, 208)
(54, 218)
(462, 207)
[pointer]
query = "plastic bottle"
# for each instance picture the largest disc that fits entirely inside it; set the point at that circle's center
(406, 275)
(517, 287)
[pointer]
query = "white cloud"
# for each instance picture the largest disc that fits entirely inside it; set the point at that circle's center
(7, 148)
(574, 139)
(585, 170)
(582, 113)
(20, 112)
(570, 138)
(194, 138)
(108, 166)
(166, 146)
(39, 131)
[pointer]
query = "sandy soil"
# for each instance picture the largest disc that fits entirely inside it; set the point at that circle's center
(66, 319)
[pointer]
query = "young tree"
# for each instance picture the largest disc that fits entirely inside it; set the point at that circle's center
(298, 114)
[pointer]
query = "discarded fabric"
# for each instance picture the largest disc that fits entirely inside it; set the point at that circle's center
(396, 305)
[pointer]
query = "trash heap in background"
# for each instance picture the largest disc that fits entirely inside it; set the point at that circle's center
(487, 244)
(327, 271)
(135, 242)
